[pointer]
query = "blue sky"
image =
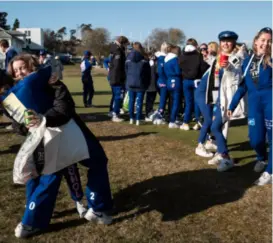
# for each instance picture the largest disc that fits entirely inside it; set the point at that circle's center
(201, 20)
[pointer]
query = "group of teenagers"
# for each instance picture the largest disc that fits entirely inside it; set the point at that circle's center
(216, 87)
(210, 82)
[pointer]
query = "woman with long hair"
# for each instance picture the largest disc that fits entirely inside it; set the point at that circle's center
(257, 73)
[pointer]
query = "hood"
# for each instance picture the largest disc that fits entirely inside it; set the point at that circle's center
(189, 48)
(159, 53)
(135, 56)
(170, 56)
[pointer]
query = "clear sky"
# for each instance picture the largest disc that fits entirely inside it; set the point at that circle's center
(201, 20)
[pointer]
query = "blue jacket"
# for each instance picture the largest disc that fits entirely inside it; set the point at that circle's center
(31, 91)
(137, 72)
(162, 78)
(264, 82)
(172, 69)
(106, 62)
(11, 53)
(86, 68)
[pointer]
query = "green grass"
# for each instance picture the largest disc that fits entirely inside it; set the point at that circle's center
(162, 192)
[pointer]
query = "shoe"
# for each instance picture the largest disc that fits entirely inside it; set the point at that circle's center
(121, 111)
(185, 127)
(225, 164)
(115, 118)
(9, 127)
(215, 160)
(196, 127)
(138, 122)
(81, 209)
(148, 119)
(201, 151)
(97, 217)
(264, 179)
(85, 105)
(260, 166)
(210, 145)
(173, 125)
(159, 122)
(131, 121)
(24, 231)
(110, 114)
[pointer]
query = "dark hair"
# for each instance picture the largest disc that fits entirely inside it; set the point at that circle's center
(193, 42)
(138, 47)
(4, 43)
(6, 80)
(122, 40)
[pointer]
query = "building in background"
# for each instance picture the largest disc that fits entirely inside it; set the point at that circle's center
(34, 38)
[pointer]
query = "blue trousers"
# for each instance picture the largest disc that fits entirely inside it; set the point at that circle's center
(163, 99)
(88, 92)
(138, 97)
(41, 194)
(175, 91)
(260, 124)
(216, 129)
(190, 104)
(118, 92)
(207, 112)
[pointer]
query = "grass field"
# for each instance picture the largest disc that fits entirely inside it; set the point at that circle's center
(162, 191)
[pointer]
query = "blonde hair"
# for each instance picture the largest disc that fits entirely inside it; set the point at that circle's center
(31, 62)
(267, 56)
(213, 46)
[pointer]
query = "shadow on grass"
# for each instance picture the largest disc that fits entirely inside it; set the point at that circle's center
(106, 92)
(95, 117)
(11, 150)
(115, 138)
(180, 194)
(243, 146)
(64, 213)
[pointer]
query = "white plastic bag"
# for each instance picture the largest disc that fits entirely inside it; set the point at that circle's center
(24, 166)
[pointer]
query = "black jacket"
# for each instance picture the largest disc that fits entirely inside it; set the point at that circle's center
(117, 65)
(192, 64)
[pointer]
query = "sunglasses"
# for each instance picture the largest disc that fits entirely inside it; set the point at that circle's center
(203, 49)
(266, 30)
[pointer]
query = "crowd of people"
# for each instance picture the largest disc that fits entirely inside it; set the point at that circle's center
(208, 81)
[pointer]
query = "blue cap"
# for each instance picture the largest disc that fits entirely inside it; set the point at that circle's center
(42, 52)
(87, 53)
(228, 35)
(266, 30)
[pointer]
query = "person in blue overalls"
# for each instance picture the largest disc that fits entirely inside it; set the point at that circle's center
(173, 74)
(257, 70)
(87, 81)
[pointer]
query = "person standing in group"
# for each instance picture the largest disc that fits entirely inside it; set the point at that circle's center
(193, 67)
(212, 52)
(174, 85)
(204, 51)
(87, 81)
(152, 89)
(117, 74)
(137, 80)
(8, 51)
(257, 73)
(59, 68)
(222, 82)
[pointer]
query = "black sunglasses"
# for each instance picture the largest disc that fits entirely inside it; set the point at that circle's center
(203, 49)
(266, 30)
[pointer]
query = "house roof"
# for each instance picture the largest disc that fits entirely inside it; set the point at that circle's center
(15, 33)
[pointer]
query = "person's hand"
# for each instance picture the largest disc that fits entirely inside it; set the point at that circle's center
(34, 119)
(229, 113)
(53, 79)
(223, 64)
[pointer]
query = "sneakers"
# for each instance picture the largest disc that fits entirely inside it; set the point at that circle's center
(260, 166)
(115, 118)
(264, 179)
(201, 151)
(131, 121)
(215, 160)
(173, 125)
(185, 127)
(225, 164)
(137, 122)
(196, 127)
(81, 209)
(97, 217)
(159, 122)
(9, 127)
(110, 114)
(210, 145)
(24, 231)
(121, 111)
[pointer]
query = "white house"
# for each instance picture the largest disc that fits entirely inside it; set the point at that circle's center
(16, 39)
(34, 39)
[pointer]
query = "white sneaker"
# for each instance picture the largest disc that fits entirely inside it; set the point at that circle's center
(121, 111)
(196, 127)
(264, 179)
(201, 151)
(131, 121)
(9, 127)
(260, 166)
(110, 114)
(97, 217)
(81, 209)
(173, 125)
(225, 164)
(117, 119)
(137, 122)
(159, 122)
(210, 145)
(215, 160)
(185, 127)
(148, 119)
(23, 231)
